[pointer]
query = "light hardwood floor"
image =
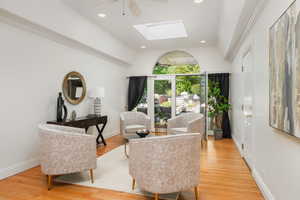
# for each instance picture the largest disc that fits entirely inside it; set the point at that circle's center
(224, 175)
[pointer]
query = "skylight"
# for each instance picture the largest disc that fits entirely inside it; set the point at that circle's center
(162, 30)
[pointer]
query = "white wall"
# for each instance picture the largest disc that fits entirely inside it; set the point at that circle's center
(209, 58)
(276, 155)
(61, 19)
(32, 69)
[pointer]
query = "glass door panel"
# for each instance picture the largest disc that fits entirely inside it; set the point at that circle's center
(190, 94)
(162, 104)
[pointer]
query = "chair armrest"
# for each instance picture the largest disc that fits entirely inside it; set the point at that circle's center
(63, 152)
(176, 122)
(196, 126)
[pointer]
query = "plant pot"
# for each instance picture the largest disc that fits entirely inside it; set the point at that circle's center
(218, 133)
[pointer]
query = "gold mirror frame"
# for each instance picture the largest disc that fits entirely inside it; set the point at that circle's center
(65, 86)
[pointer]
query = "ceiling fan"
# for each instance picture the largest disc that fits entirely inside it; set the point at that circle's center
(132, 5)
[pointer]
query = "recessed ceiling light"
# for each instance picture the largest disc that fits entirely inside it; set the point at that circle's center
(102, 15)
(198, 1)
(162, 30)
(143, 47)
(202, 41)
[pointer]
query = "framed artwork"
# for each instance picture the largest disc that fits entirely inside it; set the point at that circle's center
(284, 49)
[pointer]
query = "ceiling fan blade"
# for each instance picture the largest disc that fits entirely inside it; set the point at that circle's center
(134, 8)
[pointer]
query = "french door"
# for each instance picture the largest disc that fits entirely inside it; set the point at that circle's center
(171, 95)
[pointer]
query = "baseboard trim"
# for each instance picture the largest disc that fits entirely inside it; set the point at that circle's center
(258, 179)
(238, 145)
(262, 186)
(18, 168)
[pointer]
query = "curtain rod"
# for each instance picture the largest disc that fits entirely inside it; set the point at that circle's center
(196, 74)
(153, 76)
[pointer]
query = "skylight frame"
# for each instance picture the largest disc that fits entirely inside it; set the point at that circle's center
(162, 30)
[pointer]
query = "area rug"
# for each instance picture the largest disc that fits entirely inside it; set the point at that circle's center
(112, 173)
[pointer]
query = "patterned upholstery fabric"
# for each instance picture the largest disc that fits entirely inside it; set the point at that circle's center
(166, 164)
(192, 122)
(133, 119)
(66, 150)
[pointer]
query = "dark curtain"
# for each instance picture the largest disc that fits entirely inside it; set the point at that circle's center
(136, 90)
(223, 80)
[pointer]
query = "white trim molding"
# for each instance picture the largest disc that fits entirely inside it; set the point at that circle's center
(262, 186)
(238, 145)
(258, 179)
(18, 168)
(250, 14)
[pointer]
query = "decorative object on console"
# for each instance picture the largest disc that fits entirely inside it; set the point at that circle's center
(97, 93)
(73, 115)
(284, 72)
(74, 88)
(60, 108)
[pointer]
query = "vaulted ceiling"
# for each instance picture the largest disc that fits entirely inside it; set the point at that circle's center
(219, 23)
(201, 20)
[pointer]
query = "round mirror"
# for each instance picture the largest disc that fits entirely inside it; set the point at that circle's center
(74, 88)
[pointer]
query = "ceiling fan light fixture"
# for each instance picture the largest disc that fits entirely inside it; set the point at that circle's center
(203, 41)
(143, 47)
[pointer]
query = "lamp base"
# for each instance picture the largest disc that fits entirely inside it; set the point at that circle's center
(97, 107)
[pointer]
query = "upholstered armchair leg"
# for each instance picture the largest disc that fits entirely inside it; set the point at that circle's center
(156, 196)
(133, 184)
(92, 175)
(49, 181)
(196, 193)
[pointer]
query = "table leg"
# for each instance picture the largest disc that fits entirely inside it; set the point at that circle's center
(100, 134)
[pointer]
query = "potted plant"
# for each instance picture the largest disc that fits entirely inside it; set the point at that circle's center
(217, 105)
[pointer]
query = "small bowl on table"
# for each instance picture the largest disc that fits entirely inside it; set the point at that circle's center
(143, 133)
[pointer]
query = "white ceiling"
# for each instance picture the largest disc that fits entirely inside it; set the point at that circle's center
(201, 20)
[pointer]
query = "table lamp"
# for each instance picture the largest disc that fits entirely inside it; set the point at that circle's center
(96, 94)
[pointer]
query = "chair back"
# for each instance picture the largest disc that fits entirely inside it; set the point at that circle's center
(166, 164)
(191, 116)
(132, 117)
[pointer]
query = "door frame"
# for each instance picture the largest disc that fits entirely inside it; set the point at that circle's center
(172, 78)
(247, 111)
(150, 95)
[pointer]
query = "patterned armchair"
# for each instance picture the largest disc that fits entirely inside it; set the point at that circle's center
(130, 122)
(166, 164)
(66, 150)
(187, 123)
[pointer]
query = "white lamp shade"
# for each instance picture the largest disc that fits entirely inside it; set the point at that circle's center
(97, 92)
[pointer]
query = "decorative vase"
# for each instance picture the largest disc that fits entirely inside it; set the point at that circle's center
(73, 115)
(218, 133)
(62, 112)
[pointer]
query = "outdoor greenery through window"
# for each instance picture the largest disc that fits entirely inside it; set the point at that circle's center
(189, 87)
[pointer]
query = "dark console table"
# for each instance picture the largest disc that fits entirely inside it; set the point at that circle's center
(86, 122)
